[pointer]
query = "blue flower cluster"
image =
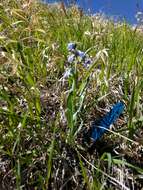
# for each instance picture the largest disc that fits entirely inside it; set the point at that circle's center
(100, 126)
(76, 54)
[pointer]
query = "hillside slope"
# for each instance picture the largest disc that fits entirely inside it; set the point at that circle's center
(52, 92)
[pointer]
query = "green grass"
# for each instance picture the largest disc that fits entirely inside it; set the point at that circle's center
(43, 117)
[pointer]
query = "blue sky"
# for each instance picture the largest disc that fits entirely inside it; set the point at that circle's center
(116, 8)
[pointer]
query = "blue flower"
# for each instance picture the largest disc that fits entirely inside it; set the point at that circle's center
(87, 62)
(71, 46)
(99, 127)
(78, 55)
(81, 54)
(71, 58)
(68, 73)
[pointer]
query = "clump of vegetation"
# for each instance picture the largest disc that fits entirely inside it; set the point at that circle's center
(48, 101)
